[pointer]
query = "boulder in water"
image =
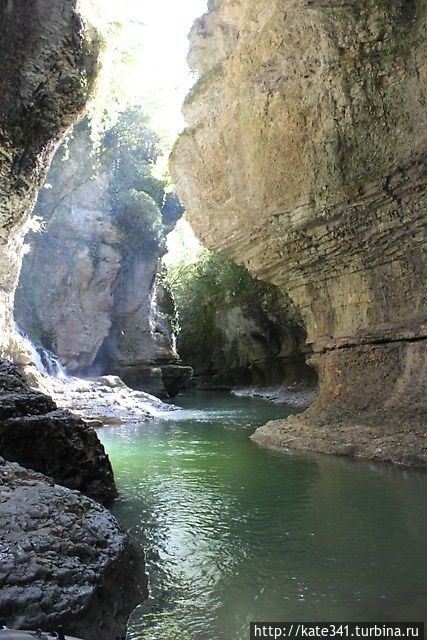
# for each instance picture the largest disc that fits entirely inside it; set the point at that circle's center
(64, 560)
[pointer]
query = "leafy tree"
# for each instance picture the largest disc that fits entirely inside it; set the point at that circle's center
(140, 222)
(137, 196)
(200, 289)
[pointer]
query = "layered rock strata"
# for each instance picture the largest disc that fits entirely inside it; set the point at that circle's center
(304, 160)
(64, 560)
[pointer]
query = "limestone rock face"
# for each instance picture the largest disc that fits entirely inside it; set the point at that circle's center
(81, 293)
(303, 160)
(65, 293)
(49, 63)
(140, 340)
(65, 560)
(256, 351)
(34, 433)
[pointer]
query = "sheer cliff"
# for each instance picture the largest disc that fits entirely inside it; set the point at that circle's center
(304, 160)
(49, 63)
(89, 283)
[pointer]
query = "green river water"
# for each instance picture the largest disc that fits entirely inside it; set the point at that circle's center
(235, 533)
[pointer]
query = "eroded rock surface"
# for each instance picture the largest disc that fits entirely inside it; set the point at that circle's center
(304, 160)
(105, 400)
(39, 436)
(64, 560)
(49, 64)
(83, 292)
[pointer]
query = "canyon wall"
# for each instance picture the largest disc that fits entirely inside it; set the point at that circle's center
(49, 65)
(236, 331)
(88, 291)
(304, 160)
(63, 554)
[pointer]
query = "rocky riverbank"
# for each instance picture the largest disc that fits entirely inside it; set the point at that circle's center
(346, 419)
(402, 443)
(64, 560)
(105, 400)
(299, 395)
(52, 441)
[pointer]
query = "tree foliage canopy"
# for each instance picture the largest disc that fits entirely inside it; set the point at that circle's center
(201, 288)
(137, 196)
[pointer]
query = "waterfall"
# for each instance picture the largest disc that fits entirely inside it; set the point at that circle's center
(45, 361)
(51, 363)
(106, 399)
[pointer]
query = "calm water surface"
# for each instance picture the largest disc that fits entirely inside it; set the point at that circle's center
(235, 533)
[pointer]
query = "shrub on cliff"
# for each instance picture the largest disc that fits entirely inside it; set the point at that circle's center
(140, 222)
(136, 194)
(200, 289)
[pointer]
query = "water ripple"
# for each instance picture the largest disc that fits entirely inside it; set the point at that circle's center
(235, 533)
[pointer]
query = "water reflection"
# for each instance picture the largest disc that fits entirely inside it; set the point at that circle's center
(235, 533)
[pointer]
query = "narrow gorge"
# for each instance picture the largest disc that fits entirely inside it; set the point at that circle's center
(164, 400)
(91, 285)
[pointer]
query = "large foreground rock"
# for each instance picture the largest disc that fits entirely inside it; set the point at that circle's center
(34, 433)
(304, 160)
(64, 560)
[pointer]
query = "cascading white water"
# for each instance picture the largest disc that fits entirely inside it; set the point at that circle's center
(45, 361)
(106, 399)
(51, 363)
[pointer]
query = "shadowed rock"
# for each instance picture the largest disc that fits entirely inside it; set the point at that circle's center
(49, 64)
(64, 560)
(34, 433)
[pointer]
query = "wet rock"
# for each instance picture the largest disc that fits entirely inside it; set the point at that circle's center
(175, 378)
(104, 400)
(64, 560)
(37, 435)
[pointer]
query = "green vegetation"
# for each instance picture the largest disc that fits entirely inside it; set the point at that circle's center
(136, 195)
(120, 56)
(128, 151)
(200, 288)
